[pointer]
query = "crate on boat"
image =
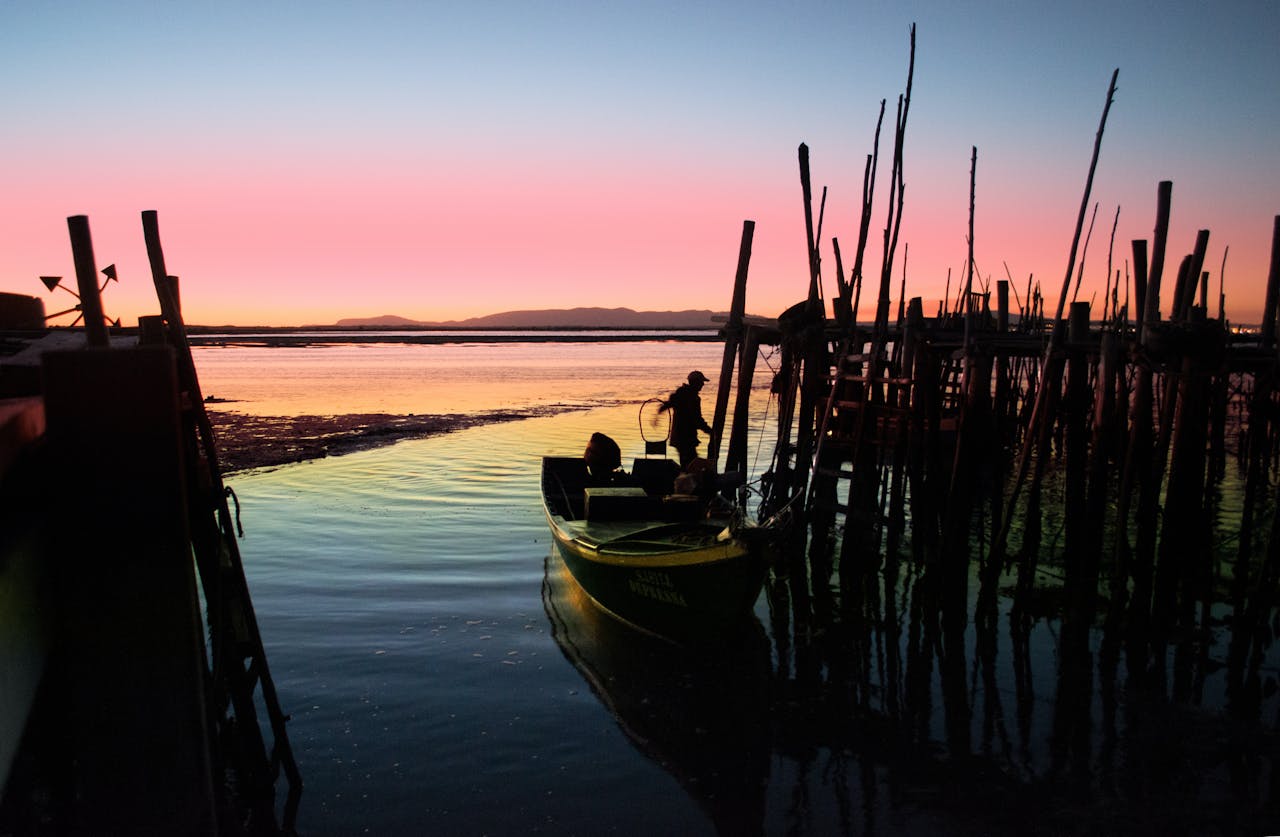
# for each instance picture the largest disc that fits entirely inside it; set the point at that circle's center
(620, 503)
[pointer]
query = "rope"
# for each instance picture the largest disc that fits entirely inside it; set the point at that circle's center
(564, 492)
(228, 492)
(764, 421)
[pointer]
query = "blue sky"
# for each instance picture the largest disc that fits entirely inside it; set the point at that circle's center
(317, 160)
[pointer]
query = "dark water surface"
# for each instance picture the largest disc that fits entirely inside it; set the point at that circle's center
(445, 675)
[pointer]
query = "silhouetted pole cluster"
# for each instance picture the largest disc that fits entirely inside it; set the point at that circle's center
(1079, 452)
(1069, 451)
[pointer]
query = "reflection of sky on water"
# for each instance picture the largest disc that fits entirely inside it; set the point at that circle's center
(399, 595)
(455, 377)
(399, 592)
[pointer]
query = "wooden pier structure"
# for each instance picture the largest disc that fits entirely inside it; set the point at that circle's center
(1080, 449)
(136, 696)
(1034, 557)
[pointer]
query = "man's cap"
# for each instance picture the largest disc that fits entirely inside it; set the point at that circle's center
(695, 376)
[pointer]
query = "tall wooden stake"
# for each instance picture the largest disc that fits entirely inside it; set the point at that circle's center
(1273, 289)
(897, 188)
(1056, 335)
(815, 292)
(95, 329)
(732, 340)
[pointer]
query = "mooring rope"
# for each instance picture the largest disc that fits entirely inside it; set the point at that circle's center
(764, 420)
(228, 492)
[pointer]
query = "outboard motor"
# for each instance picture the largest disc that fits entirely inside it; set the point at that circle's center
(603, 456)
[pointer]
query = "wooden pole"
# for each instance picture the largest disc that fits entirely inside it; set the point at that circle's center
(95, 328)
(1111, 249)
(1192, 279)
(897, 188)
(844, 291)
(736, 458)
(218, 557)
(886, 267)
(1181, 534)
(1076, 409)
(1222, 282)
(1151, 306)
(1273, 289)
(1181, 291)
(1084, 253)
(1084, 204)
(1139, 276)
(732, 340)
(968, 268)
(810, 247)
(1139, 458)
(864, 227)
(1055, 339)
(1101, 451)
(1002, 305)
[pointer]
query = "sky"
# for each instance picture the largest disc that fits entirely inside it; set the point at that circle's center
(311, 161)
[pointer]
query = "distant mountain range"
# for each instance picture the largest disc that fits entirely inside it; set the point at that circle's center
(554, 318)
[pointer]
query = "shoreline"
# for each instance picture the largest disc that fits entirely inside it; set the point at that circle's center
(250, 442)
(307, 339)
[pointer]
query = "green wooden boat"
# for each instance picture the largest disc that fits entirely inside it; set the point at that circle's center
(656, 560)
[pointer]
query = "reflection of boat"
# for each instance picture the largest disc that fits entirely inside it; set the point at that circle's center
(649, 557)
(702, 715)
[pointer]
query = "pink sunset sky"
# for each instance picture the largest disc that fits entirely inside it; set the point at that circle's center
(313, 161)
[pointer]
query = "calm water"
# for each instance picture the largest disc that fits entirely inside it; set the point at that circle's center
(453, 377)
(445, 676)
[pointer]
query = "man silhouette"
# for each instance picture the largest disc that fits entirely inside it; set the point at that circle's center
(686, 419)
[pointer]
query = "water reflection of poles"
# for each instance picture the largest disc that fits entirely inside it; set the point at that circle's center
(1072, 725)
(986, 619)
(1020, 624)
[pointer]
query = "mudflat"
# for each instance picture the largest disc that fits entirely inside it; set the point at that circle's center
(248, 441)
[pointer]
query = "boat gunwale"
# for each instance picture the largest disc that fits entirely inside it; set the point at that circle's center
(670, 555)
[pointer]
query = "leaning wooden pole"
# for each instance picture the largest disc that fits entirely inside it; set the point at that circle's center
(842, 306)
(732, 340)
(1084, 206)
(1111, 249)
(815, 289)
(1056, 335)
(968, 268)
(229, 568)
(864, 225)
(897, 188)
(95, 328)
(1191, 281)
(1141, 454)
(1273, 290)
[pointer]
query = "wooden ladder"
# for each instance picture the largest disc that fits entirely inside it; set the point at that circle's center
(867, 416)
(238, 669)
